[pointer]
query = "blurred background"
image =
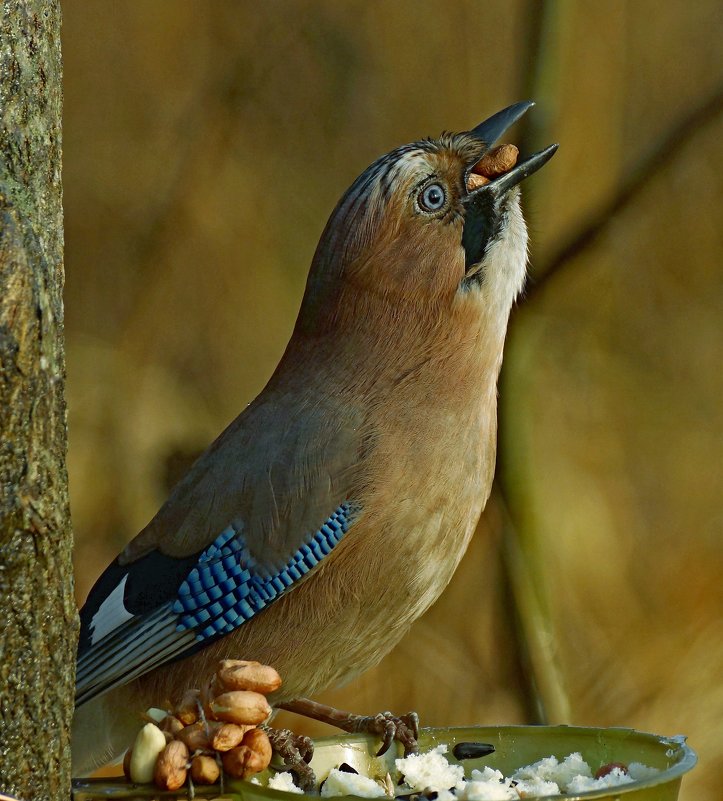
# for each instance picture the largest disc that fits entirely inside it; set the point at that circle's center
(205, 146)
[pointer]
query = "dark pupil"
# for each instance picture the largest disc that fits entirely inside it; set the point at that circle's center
(433, 197)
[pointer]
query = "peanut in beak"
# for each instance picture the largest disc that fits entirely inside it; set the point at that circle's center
(493, 164)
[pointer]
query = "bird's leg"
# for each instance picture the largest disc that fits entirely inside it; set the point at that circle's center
(404, 729)
(296, 751)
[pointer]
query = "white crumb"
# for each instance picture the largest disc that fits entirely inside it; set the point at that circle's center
(486, 785)
(550, 769)
(338, 782)
(639, 772)
(430, 770)
(284, 781)
(583, 784)
(534, 788)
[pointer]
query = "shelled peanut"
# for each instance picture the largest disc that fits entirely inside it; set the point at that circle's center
(494, 163)
(207, 729)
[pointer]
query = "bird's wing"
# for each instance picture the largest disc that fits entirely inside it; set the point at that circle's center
(254, 516)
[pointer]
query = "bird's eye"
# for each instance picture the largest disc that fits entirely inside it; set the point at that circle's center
(432, 198)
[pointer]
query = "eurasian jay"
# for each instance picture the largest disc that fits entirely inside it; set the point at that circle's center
(334, 510)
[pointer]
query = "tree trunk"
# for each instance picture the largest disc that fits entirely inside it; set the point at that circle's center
(39, 620)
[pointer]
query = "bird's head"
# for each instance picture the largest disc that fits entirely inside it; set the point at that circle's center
(414, 231)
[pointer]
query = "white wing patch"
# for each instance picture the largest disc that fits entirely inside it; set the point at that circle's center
(111, 613)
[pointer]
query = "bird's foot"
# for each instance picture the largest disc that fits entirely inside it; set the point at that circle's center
(296, 751)
(403, 729)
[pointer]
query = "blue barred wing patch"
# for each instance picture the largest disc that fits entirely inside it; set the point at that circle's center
(226, 587)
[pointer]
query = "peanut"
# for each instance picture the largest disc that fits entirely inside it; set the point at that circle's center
(187, 710)
(240, 706)
(236, 674)
(242, 762)
(234, 761)
(474, 181)
(228, 736)
(603, 770)
(199, 736)
(171, 766)
(204, 769)
(258, 741)
(171, 724)
(148, 744)
(497, 161)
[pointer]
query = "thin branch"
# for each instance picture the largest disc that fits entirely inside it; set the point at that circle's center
(545, 692)
(544, 24)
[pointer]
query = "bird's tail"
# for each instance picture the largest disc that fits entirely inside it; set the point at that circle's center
(103, 729)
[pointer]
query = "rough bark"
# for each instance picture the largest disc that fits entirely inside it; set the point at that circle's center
(39, 621)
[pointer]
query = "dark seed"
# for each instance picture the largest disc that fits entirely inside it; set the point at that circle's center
(472, 750)
(609, 768)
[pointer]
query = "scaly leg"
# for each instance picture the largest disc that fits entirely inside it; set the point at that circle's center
(404, 729)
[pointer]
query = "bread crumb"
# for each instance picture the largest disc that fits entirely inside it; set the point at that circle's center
(284, 781)
(430, 770)
(339, 782)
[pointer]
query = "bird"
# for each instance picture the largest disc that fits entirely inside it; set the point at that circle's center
(333, 511)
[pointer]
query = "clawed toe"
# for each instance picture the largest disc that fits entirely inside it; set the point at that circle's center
(296, 751)
(404, 729)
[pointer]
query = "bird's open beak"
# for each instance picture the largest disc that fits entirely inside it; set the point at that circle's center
(489, 132)
(489, 177)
